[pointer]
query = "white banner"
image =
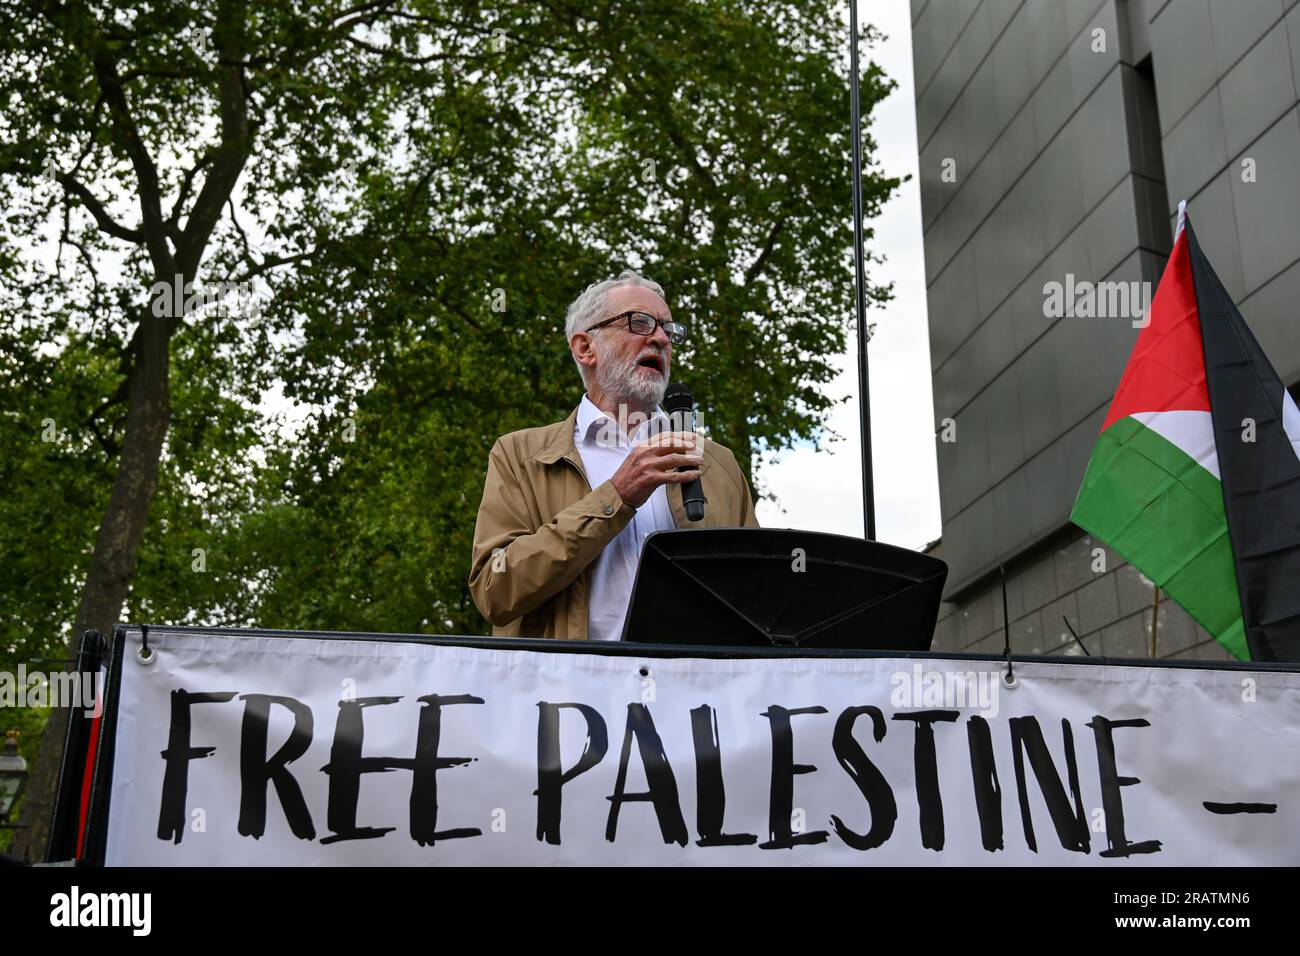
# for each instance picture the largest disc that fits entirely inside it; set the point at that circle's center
(234, 749)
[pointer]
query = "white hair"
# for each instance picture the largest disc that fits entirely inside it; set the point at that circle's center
(587, 308)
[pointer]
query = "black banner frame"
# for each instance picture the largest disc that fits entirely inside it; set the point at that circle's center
(65, 816)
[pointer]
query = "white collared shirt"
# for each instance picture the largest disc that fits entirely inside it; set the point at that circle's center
(604, 447)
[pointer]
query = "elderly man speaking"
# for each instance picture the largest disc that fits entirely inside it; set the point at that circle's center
(567, 507)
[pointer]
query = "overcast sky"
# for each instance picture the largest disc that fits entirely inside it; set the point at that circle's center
(822, 490)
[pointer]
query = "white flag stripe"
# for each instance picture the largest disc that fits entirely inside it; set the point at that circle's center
(1192, 432)
(1291, 421)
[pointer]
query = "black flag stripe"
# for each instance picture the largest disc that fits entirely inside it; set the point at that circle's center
(1260, 477)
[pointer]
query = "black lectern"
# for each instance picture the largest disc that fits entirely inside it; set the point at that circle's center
(764, 587)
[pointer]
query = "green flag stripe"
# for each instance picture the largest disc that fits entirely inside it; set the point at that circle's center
(1163, 512)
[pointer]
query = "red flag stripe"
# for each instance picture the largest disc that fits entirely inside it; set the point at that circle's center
(1166, 371)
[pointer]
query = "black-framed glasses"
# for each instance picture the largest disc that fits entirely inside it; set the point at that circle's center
(643, 323)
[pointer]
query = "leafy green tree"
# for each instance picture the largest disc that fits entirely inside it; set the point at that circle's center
(705, 144)
(404, 194)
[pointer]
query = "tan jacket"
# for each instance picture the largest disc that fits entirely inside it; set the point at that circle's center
(551, 525)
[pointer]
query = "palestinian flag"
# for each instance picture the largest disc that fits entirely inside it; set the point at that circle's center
(1195, 478)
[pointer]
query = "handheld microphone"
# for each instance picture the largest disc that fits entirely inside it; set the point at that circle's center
(679, 404)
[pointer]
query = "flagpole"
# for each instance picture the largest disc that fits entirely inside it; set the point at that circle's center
(860, 284)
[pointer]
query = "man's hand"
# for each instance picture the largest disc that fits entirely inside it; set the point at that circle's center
(654, 462)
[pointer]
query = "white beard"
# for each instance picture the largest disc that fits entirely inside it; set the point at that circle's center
(625, 380)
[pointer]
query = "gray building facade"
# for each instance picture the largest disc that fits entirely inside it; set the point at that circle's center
(1056, 138)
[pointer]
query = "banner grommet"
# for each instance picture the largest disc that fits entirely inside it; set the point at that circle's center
(144, 654)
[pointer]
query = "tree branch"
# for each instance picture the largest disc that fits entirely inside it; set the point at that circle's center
(236, 137)
(273, 262)
(81, 27)
(393, 56)
(90, 265)
(341, 18)
(96, 209)
(127, 135)
(268, 262)
(753, 271)
(183, 195)
(92, 422)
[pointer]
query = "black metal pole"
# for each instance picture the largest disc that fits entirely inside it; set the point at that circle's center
(66, 819)
(860, 283)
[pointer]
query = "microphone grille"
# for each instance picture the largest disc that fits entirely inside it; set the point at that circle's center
(678, 398)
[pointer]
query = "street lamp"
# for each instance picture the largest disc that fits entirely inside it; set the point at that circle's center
(13, 774)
